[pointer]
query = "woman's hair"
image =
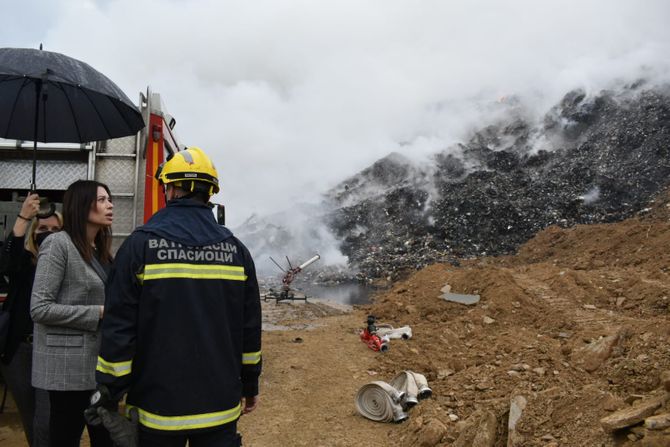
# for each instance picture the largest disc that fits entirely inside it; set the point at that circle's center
(78, 201)
(30, 244)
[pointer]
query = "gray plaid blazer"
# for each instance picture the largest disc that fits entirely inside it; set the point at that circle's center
(65, 306)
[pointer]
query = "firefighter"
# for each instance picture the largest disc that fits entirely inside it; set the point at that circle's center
(182, 328)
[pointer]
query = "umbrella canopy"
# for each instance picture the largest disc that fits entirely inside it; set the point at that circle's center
(50, 97)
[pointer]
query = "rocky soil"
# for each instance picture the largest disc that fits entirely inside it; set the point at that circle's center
(575, 326)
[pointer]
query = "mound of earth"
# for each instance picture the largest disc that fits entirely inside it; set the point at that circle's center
(576, 324)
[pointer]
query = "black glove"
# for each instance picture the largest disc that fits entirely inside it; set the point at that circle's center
(91, 416)
(100, 398)
(124, 432)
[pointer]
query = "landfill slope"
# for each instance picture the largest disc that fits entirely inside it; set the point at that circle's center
(595, 157)
(592, 158)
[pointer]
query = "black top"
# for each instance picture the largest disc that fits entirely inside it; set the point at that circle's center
(16, 263)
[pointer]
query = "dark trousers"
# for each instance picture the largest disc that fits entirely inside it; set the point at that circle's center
(66, 423)
(226, 436)
(33, 404)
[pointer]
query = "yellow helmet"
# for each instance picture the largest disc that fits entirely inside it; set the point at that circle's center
(190, 165)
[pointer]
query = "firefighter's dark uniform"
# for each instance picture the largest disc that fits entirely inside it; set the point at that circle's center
(182, 325)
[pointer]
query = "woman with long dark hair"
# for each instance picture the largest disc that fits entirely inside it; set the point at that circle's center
(67, 306)
(17, 261)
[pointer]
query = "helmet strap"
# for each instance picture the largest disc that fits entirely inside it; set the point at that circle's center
(193, 188)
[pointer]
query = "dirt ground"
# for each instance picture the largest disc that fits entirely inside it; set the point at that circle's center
(576, 325)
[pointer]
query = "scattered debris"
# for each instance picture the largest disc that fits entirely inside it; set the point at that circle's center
(634, 414)
(479, 430)
(443, 373)
(658, 422)
(593, 355)
(517, 405)
(460, 298)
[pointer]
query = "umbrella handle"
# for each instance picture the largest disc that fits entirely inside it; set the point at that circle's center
(47, 209)
(46, 213)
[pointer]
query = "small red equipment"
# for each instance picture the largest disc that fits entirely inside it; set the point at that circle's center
(369, 336)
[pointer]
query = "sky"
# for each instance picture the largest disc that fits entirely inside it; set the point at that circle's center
(290, 97)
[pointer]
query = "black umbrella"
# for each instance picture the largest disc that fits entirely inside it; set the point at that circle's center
(50, 97)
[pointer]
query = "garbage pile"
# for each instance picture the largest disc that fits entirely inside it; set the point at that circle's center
(592, 159)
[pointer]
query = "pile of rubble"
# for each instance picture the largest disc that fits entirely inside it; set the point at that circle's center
(644, 417)
(652, 411)
(591, 159)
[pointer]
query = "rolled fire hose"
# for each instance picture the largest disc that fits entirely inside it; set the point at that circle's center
(404, 332)
(413, 385)
(422, 384)
(380, 402)
(383, 402)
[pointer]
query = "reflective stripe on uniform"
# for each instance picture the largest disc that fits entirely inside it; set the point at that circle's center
(251, 358)
(192, 271)
(116, 369)
(191, 421)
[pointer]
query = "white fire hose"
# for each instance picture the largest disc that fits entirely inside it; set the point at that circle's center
(414, 385)
(380, 402)
(404, 332)
(383, 402)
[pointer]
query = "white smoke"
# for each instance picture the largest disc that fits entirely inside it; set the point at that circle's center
(292, 96)
(591, 196)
